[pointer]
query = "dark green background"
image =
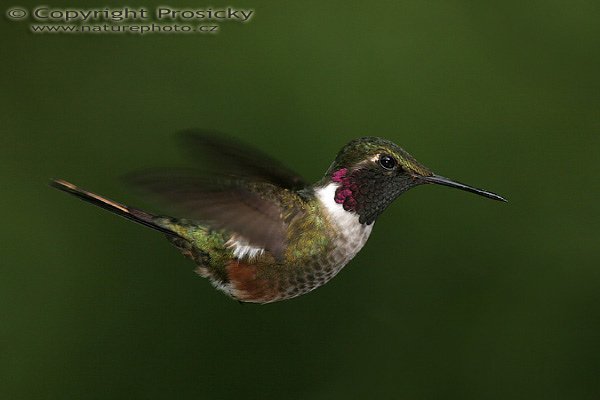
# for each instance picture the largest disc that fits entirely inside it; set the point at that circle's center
(454, 296)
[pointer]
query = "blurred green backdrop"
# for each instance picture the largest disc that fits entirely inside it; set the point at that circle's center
(454, 296)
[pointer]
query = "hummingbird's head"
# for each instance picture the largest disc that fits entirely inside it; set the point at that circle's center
(369, 173)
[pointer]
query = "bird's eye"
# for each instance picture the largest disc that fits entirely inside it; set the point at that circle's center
(387, 162)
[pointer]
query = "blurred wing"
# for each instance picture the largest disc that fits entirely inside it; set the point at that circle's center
(223, 155)
(258, 218)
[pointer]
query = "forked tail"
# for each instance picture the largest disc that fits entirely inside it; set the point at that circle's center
(130, 213)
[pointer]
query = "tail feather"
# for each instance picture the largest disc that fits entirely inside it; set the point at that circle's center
(130, 213)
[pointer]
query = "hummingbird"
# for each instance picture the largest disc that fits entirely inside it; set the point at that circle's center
(257, 230)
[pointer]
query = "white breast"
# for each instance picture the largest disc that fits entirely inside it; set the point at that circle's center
(352, 234)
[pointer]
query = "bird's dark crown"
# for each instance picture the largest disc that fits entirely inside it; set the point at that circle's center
(364, 149)
(371, 173)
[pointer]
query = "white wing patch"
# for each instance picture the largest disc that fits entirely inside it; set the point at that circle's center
(241, 248)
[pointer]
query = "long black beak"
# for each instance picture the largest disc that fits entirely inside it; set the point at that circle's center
(440, 180)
